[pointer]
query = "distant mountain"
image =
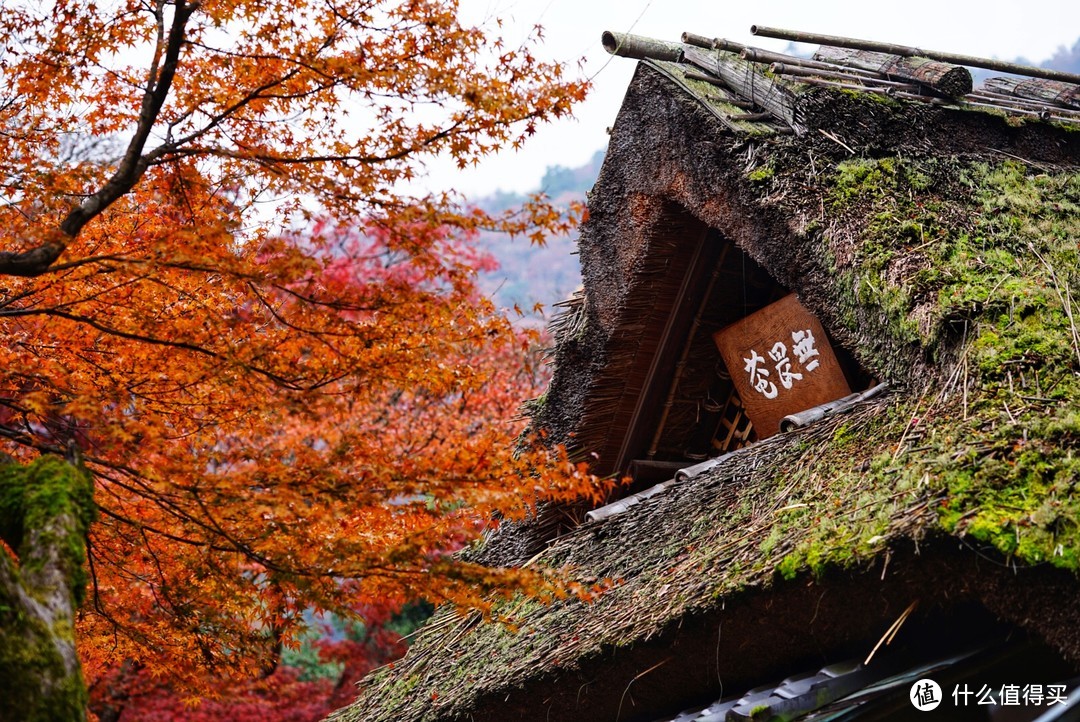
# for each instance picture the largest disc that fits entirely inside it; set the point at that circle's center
(1065, 59)
(528, 273)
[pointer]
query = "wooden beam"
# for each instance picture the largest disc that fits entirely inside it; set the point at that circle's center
(950, 80)
(908, 51)
(1046, 91)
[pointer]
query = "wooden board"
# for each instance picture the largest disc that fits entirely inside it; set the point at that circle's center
(780, 362)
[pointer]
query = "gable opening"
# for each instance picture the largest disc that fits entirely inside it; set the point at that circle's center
(693, 405)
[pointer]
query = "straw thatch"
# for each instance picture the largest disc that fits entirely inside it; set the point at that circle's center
(937, 245)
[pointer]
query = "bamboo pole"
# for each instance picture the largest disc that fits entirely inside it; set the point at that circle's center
(757, 55)
(728, 46)
(839, 85)
(639, 47)
(699, 41)
(837, 74)
(1009, 101)
(908, 51)
(1038, 113)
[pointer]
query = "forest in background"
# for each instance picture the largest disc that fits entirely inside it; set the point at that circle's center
(1066, 59)
(529, 273)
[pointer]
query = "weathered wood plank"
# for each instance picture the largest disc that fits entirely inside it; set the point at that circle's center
(748, 81)
(781, 363)
(945, 78)
(1047, 91)
(714, 95)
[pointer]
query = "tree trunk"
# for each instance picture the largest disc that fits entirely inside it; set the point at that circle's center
(45, 510)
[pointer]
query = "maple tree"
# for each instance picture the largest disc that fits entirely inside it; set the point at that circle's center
(309, 684)
(272, 361)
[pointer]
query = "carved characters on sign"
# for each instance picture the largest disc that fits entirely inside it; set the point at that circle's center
(802, 347)
(759, 375)
(781, 363)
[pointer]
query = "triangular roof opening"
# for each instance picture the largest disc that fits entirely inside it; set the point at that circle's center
(666, 398)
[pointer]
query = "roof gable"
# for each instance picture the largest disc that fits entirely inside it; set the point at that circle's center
(937, 242)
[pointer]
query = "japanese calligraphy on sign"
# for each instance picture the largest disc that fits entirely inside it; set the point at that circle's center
(781, 363)
(759, 376)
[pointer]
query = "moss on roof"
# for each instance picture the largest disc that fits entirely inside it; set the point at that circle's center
(951, 273)
(977, 263)
(718, 101)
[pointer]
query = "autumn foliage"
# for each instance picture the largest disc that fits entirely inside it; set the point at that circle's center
(307, 686)
(273, 360)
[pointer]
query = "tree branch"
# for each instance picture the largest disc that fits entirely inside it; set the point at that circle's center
(133, 165)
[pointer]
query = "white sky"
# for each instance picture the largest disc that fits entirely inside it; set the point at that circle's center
(1033, 29)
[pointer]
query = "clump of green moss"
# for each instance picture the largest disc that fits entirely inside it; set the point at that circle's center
(761, 174)
(992, 265)
(976, 266)
(45, 511)
(31, 497)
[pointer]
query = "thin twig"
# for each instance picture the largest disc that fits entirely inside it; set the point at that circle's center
(890, 633)
(638, 676)
(911, 422)
(965, 387)
(836, 140)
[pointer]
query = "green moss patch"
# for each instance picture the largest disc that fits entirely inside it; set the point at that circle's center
(977, 264)
(45, 510)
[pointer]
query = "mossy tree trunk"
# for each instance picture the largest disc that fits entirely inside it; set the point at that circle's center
(45, 510)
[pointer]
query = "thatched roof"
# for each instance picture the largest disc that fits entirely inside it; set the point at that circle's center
(938, 244)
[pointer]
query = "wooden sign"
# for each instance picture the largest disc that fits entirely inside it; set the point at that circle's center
(781, 363)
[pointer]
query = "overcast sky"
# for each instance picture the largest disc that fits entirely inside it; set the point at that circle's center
(1033, 29)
